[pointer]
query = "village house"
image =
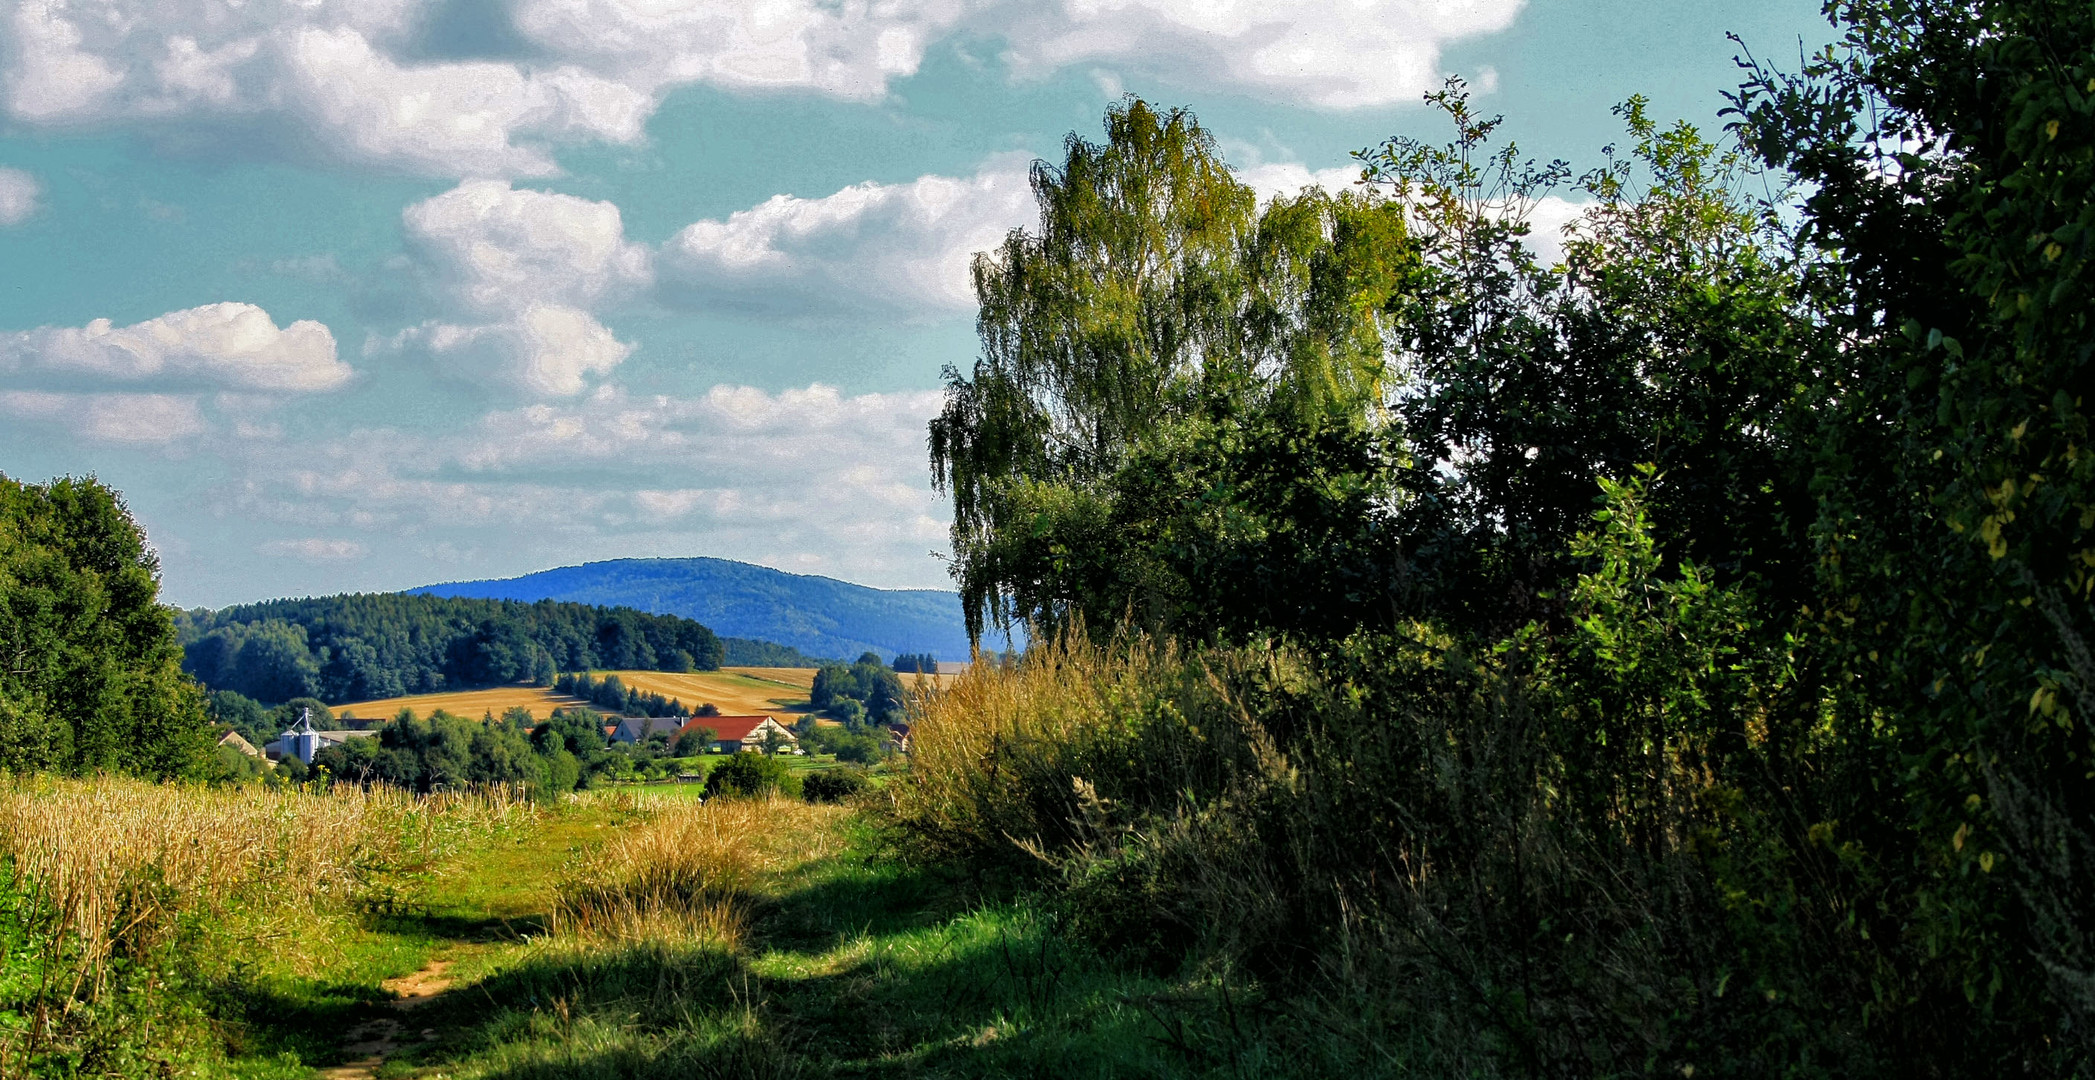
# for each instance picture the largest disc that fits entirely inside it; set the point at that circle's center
(734, 734)
(233, 739)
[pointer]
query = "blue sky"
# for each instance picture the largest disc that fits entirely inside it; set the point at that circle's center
(366, 294)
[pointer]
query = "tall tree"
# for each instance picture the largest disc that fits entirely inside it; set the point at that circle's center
(90, 672)
(1156, 306)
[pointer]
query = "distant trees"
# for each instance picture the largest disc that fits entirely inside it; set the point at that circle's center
(613, 694)
(917, 663)
(90, 667)
(865, 692)
(565, 752)
(361, 647)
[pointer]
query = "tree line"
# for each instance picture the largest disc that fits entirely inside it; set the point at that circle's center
(1669, 661)
(369, 646)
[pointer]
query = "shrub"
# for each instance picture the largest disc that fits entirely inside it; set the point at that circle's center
(833, 785)
(752, 775)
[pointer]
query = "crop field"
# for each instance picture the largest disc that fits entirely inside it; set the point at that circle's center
(469, 703)
(736, 691)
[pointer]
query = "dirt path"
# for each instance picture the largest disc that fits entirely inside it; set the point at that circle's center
(373, 1041)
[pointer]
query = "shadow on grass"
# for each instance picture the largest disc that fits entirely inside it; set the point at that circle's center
(997, 991)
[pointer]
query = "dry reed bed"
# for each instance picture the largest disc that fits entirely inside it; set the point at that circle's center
(118, 865)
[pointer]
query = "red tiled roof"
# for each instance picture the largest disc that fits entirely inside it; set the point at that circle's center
(724, 728)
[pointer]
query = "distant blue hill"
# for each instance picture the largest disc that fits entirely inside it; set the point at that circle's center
(819, 616)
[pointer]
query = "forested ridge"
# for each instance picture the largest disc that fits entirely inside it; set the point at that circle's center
(361, 647)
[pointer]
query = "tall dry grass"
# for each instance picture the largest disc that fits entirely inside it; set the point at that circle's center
(689, 871)
(1010, 761)
(118, 876)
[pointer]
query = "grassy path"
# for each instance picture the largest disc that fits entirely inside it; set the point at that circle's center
(843, 963)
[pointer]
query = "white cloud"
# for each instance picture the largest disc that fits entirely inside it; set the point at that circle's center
(19, 192)
(316, 549)
(1546, 223)
(546, 351)
(230, 345)
(521, 269)
(139, 419)
(905, 246)
(1289, 178)
(361, 81)
(1330, 53)
(801, 478)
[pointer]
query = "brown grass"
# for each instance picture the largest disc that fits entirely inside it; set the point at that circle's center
(123, 868)
(689, 871)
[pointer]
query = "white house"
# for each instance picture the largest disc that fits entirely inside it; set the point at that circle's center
(736, 733)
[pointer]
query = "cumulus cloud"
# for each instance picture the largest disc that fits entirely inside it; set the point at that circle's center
(806, 478)
(234, 346)
(905, 246)
(1330, 53)
(1546, 224)
(364, 81)
(1289, 178)
(19, 192)
(521, 270)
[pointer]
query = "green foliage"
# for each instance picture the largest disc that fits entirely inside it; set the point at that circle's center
(90, 675)
(613, 694)
(1168, 416)
(752, 775)
(698, 740)
(1782, 767)
(867, 691)
(834, 785)
(362, 647)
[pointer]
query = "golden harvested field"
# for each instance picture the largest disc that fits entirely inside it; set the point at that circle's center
(737, 691)
(469, 703)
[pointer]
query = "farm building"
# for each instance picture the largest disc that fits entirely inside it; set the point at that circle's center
(633, 729)
(301, 741)
(233, 739)
(732, 734)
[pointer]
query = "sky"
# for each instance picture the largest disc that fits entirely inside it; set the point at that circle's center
(357, 295)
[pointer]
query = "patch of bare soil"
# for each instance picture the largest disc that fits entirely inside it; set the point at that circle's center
(370, 1043)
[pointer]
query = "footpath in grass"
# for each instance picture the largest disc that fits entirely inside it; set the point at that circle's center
(829, 959)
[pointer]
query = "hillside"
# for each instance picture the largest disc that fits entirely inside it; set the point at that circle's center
(817, 615)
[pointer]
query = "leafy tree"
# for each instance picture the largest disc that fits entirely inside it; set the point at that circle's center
(238, 712)
(1169, 375)
(752, 776)
(90, 675)
(1949, 162)
(696, 741)
(833, 785)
